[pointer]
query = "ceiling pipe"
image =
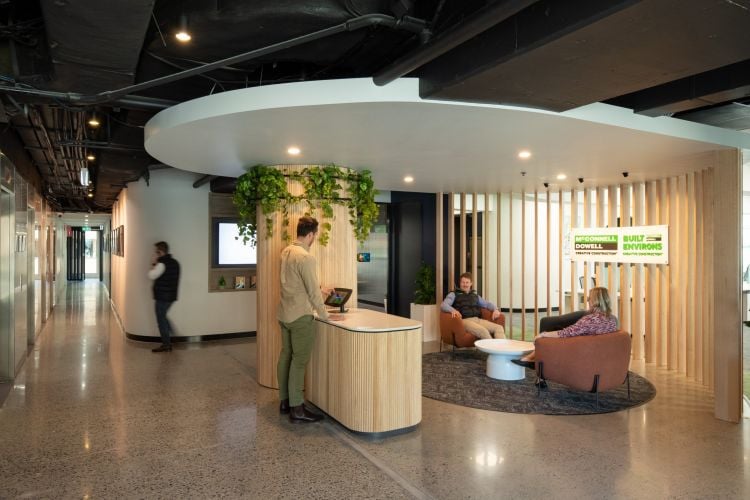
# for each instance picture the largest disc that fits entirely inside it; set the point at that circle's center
(126, 102)
(479, 22)
(120, 95)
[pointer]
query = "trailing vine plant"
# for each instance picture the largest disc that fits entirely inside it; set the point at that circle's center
(265, 188)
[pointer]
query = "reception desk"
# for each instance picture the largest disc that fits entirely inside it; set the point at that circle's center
(366, 371)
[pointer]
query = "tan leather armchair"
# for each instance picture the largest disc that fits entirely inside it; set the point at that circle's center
(452, 330)
(593, 363)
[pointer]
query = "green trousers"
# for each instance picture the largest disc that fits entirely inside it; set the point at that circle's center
(297, 340)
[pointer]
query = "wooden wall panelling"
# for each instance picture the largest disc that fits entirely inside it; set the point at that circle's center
(462, 237)
(486, 237)
(626, 321)
(663, 334)
(439, 254)
(474, 240)
(613, 271)
(691, 288)
(451, 241)
(573, 264)
(523, 265)
(560, 229)
(499, 252)
(336, 264)
(601, 221)
(709, 256)
(511, 243)
(674, 272)
(700, 272)
(727, 275)
(652, 312)
(548, 246)
(637, 313)
(536, 261)
(586, 223)
(681, 278)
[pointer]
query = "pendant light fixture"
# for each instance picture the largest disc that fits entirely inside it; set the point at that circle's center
(183, 35)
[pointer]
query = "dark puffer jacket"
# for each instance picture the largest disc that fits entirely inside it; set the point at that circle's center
(165, 286)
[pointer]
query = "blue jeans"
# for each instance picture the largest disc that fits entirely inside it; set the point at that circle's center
(165, 327)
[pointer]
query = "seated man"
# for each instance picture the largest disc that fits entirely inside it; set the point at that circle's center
(464, 303)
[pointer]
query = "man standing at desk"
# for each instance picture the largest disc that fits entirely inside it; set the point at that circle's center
(299, 291)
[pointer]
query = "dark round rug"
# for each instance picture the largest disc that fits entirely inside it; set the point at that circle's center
(461, 379)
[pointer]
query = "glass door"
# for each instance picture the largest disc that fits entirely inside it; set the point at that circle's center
(91, 254)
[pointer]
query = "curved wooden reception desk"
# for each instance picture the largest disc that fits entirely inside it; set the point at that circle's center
(366, 371)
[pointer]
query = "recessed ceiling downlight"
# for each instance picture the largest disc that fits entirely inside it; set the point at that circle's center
(561, 177)
(293, 150)
(524, 154)
(408, 179)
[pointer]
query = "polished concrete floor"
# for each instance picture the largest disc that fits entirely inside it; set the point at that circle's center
(95, 416)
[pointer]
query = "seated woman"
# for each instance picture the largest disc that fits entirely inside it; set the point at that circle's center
(599, 320)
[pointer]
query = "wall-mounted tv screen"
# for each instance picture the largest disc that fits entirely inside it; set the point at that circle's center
(228, 249)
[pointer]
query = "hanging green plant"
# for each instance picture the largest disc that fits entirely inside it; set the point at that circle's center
(265, 188)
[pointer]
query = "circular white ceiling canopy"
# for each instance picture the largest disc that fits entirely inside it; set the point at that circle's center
(444, 146)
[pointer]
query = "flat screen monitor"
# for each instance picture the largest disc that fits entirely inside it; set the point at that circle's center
(339, 298)
(228, 247)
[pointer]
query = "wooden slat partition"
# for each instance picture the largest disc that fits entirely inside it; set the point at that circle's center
(336, 264)
(509, 323)
(700, 284)
(652, 312)
(625, 304)
(462, 237)
(536, 261)
(523, 265)
(637, 313)
(662, 340)
(573, 264)
(439, 254)
(500, 254)
(613, 271)
(474, 240)
(560, 309)
(669, 309)
(549, 249)
(451, 241)
(690, 289)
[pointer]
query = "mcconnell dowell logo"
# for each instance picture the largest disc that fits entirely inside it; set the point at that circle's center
(595, 242)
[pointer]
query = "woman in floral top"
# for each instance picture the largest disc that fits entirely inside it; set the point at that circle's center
(600, 320)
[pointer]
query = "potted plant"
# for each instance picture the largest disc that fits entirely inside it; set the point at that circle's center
(424, 308)
(222, 283)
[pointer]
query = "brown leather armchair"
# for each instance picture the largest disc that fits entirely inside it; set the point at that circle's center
(452, 329)
(591, 363)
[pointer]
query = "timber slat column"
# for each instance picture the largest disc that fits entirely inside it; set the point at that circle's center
(336, 267)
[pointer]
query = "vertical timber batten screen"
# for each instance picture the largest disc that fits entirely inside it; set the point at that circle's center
(669, 309)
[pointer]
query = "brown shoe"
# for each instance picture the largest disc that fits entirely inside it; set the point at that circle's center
(162, 348)
(284, 407)
(301, 415)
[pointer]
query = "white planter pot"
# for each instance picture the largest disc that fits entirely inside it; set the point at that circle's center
(427, 314)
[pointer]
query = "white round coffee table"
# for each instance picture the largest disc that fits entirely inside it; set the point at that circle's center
(501, 351)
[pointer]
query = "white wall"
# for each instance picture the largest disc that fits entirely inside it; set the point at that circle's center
(170, 209)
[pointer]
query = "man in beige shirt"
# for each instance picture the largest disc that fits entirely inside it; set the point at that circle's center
(299, 291)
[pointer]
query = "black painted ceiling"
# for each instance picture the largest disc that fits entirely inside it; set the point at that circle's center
(62, 60)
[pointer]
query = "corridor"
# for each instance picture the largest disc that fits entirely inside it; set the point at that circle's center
(93, 415)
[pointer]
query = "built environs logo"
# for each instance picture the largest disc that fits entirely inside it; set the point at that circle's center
(595, 242)
(642, 242)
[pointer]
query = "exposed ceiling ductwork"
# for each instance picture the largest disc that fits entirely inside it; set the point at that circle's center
(65, 61)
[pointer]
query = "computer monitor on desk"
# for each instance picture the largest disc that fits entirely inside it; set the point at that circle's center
(339, 298)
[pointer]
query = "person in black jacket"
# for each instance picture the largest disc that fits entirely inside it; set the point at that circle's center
(165, 272)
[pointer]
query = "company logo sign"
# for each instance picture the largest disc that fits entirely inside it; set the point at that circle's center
(638, 244)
